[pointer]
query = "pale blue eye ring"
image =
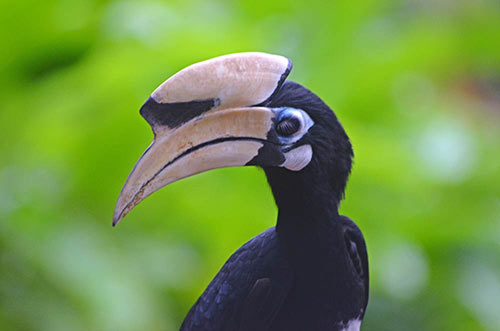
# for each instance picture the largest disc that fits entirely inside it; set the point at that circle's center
(291, 124)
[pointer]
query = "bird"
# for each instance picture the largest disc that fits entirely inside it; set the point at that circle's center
(309, 271)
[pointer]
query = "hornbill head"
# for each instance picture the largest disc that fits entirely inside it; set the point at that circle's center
(237, 110)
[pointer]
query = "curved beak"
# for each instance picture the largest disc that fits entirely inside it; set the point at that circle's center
(227, 138)
(203, 118)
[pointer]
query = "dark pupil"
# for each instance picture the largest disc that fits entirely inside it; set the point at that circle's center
(288, 126)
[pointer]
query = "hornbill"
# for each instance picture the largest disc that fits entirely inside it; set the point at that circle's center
(310, 271)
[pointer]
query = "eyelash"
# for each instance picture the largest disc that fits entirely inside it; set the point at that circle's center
(288, 126)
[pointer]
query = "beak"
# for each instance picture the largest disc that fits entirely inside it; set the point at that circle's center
(227, 138)
(204, 118)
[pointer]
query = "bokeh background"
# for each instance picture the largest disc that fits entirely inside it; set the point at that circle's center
(416, 84)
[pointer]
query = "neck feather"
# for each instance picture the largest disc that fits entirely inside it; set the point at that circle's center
(303, 200)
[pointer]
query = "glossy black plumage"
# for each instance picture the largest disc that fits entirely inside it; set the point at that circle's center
(310, 272)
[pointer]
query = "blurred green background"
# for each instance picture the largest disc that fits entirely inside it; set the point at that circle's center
(415, 83)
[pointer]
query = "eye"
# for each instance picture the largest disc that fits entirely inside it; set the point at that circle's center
(288, 125)
(291, 124)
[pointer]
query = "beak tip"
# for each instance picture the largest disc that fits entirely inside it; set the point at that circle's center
(117, 217)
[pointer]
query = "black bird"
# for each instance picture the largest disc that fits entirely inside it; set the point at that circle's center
(310, 271)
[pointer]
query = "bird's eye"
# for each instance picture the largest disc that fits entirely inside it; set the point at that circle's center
(288, 126)
(291, 124)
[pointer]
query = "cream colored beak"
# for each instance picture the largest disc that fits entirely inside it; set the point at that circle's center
(227, 138)
(204, 118)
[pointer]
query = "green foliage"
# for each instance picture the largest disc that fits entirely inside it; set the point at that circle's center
(415, 83)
